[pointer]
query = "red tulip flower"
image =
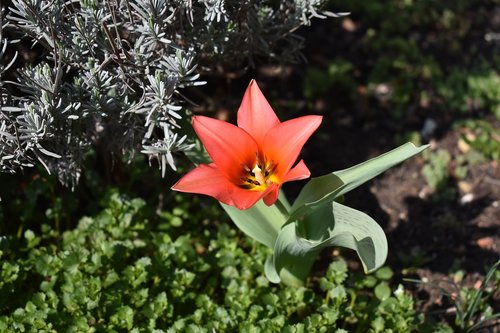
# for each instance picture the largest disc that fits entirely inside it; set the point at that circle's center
(252, 160)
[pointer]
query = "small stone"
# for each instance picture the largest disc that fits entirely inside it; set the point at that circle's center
(428, 129)
(478, 284)
(485, 242)
(470, 136)
(464, 186)
(463, 146)
(425, 192)
(467, 198)
(349, 25)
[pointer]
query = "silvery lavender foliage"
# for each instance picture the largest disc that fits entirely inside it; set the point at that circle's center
(111, 72)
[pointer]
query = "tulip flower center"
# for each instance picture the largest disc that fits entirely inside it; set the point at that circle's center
(260, 177)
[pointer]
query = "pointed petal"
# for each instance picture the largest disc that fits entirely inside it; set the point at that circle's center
(208, 180)
(255, 115)
(273, 192)
(229, 146)
(284, 142)
(298, 172)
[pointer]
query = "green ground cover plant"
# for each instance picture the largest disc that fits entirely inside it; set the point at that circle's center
(129, 268)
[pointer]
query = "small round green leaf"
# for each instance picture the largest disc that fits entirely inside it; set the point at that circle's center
(384, 273)
(382, 291)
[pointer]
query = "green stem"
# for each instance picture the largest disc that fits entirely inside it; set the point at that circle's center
(282, 208)
(20, 229)
(296, 272)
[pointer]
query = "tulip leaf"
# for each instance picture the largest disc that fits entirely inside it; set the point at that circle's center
(260, 222)
(270, 270)
(333, 224)
(327, 188)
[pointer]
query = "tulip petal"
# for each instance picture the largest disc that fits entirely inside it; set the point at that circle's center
(255, 115)
(229, 146)
(208, 180)
(273, 192)
(298, 172)
(284, 142)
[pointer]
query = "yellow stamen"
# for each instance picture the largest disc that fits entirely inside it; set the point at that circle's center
(261, 176)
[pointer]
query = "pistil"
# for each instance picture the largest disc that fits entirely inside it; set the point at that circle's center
(260, 176)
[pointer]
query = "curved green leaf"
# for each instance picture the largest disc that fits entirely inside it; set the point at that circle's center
(270, 270)
(327, 188)
(329, 225)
